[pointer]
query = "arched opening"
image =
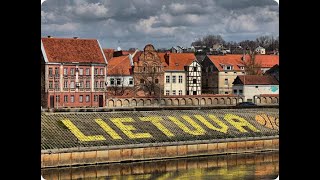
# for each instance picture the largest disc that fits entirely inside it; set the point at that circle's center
(110, 103)
(182, 102)
(134, 102)
(203, 101)
(126, 103)
(119, 103)
(141, 102)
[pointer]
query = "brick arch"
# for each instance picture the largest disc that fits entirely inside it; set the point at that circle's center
(176, 102)
(234, 101)
(196, 101)
(141, 102)
(209, 101)
(269, 100)
(228, 101)
(110, 103)
(240, 100)
(189, 101)
(263, 100)
(183, 101)
(163, 102)
(215, 101)
(119, 103)
(222, 101)
(148, 102)
(203, 101)
(155, 102)
(169, 102)
(276, 100)
(134, 102)
(125, 103)
(258, 100)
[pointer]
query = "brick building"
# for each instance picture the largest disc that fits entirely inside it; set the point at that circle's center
(73, 73)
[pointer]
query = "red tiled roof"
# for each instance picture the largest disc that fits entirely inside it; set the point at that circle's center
(257, 80)
(177, 61)
(119, 66)
(137, 55)
(266, 61)
(232, 59)
(73, 50)
(108, 53)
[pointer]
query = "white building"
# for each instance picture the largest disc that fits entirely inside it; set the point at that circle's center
(260, 50)
(182, 74)
(254, 85)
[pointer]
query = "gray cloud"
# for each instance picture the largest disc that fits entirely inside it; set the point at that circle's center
(164, 23)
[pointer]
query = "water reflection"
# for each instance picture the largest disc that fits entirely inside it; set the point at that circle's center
(243, 167)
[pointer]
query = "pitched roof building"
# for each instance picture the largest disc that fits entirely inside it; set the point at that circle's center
(73, 72)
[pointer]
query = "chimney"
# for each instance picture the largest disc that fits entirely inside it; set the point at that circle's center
(49, 36)
(75, 37)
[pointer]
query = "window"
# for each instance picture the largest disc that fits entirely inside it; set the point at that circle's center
(87, 84)
(144, 69)
(87, 71)
(101, 84)
(58, 98)
(111, 81)
(95, 71)
(226, 72)
(50, 71)
(72, 98)
(72, 84)
(156, 81)
(118, 81)
(211, 68)
(96, 84)
(141, 81)
(226, 92)
(207, 69)
(56, 85)
(240, 91)
(95, 98)
(225, 81)
(180, 79)
(167, 79)
(65, 98)
(65, 71)
(154, 69)
(130, 81)
(194, 81)
(81, 98)
(65, 84)
(235, 72)
(180, 92)
(257, 86)
(87, 98)
(228, 67)
(101, 71)
(194, 92)
(167, 92)
(72, 71)
(235, 91)
(173, 79)
(173, 92)
(195, 68)
(242, 67)
(81, 84)
(50, 84)
(56, 71)
(81, 71)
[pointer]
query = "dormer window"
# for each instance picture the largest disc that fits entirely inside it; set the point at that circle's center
(228, 67)
(242, 67)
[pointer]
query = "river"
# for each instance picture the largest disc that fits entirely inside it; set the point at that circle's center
(259, 166)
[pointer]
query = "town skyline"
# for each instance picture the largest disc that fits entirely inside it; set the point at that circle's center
(163, 24)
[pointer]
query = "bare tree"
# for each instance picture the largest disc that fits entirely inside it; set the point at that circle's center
(149, 82)
(251, 66)
(117, 88)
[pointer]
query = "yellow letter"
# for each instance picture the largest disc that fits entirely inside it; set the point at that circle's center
(108, 129)
(224, 127)
(239, 125)
(198, 129)
(126, 129)
(79, 134)
(156, 121)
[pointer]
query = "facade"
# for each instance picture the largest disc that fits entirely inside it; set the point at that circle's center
(218, 73)
(73, 73)
(120, 80)
(251, 86)
(274, 71)
(260, 50)
(182, 74)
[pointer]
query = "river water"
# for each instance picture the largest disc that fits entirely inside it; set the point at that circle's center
(257, 166)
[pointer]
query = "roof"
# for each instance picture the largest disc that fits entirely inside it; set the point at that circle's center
(119, 66)
(256, 80)
(108, 53)
(62, 50)
(266, 61)
(177, 61)
(233, 59)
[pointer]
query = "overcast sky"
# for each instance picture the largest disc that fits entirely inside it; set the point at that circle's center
(164, 23)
